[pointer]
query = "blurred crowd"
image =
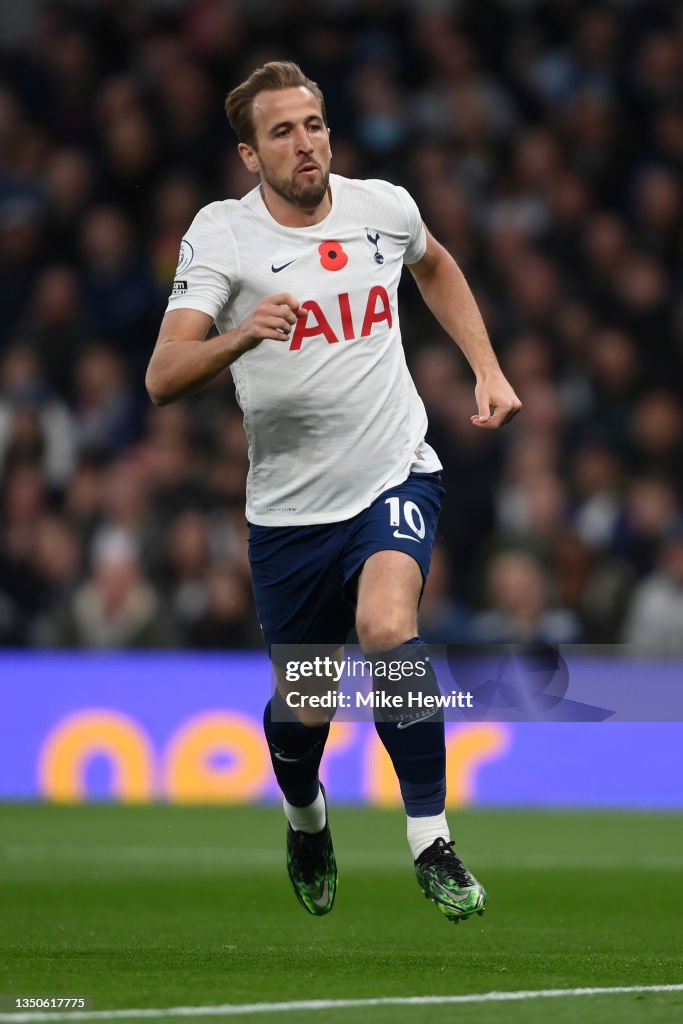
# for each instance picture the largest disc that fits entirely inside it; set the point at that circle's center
(543, 142)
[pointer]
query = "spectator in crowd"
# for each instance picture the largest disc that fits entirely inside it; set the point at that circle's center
(55, 325)
(24, 506)
(36, 425)
(106, 414)
(656, 612)
(56, 562)
(520, 607)
(119, 290)
(442, 618)
(188, 564)
(124, 514)
(657, 434)
(652, 509)
(68, 184)
(228, 618)
(599, 500)
(115, 607)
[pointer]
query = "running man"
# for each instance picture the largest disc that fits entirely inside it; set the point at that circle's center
(300, 278)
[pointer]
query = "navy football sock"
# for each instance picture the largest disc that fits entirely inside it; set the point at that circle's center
(295, 751)
(417, 749)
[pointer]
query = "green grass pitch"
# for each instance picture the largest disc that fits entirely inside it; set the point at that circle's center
(168, 906)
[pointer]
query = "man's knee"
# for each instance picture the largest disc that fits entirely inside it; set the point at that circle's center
(303, 698)
(313, 719)
(384, 632)
(293, 708)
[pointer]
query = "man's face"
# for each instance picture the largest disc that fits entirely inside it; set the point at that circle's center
(291, 149)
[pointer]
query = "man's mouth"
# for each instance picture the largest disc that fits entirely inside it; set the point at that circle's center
(308, 168)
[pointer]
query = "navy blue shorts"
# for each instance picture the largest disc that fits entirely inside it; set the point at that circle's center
(304, 577)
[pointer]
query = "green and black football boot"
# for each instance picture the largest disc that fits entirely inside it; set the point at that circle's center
(443, 878)
(312, 869)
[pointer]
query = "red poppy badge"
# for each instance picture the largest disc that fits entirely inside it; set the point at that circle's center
(332, 255)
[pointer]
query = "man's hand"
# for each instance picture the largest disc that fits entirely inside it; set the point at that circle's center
(183, 360)
(273, 318)
(496, 401)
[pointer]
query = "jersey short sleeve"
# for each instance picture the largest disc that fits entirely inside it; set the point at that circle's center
(417, 243)
(207, 264)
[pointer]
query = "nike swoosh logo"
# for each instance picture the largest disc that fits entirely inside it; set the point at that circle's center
(276, 270)
(321, 901)
(406, 536)
(414, 721)
(451, 897)
(288, 760)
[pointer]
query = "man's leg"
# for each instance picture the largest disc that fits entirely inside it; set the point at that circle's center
(389, 590)
(388, 593)
(297, 585)
(296, 743)
(296, 740)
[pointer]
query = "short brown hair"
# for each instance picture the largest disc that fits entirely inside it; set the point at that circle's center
(277, 74)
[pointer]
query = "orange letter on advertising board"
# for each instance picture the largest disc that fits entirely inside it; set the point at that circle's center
(91, 733)
(468, 747)
(190, 775)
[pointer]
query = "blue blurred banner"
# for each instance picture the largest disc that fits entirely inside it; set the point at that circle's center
(187, 728)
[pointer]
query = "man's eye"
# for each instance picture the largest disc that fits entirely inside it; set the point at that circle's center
(315, 127)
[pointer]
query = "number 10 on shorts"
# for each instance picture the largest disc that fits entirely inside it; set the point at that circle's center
(412, 517)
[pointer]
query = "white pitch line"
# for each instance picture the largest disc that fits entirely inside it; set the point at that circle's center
(248, 1009)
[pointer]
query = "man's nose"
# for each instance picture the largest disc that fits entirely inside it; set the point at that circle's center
(303, 141)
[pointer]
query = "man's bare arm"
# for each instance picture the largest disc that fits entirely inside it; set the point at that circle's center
(184, 361)
(448, 296)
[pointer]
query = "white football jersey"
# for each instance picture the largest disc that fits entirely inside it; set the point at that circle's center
(332, 415)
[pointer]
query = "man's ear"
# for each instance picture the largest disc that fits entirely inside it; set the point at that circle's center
(249, 157)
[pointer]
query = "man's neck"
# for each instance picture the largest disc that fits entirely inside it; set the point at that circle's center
(290, 216)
